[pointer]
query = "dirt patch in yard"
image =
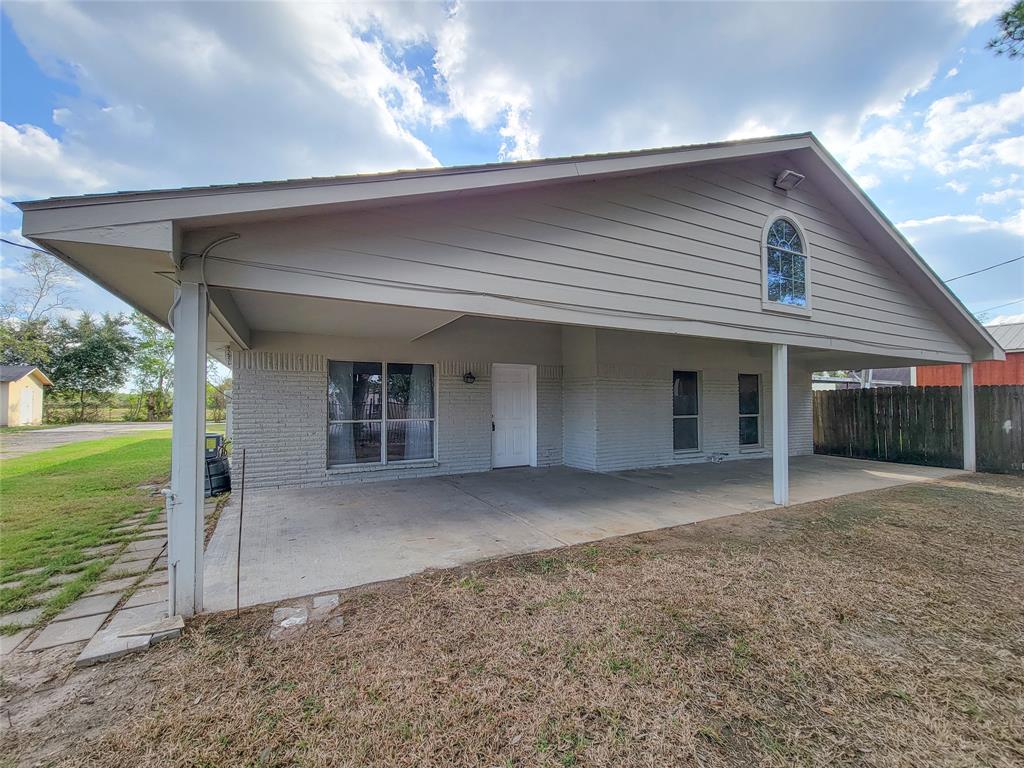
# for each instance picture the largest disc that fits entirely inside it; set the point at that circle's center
(882, 629)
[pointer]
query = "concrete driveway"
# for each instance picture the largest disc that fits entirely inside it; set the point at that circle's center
(298, 542)
(19, 443)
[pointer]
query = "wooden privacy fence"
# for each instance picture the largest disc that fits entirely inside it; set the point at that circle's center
(921, 425)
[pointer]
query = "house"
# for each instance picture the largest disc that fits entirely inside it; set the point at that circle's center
(872, 378)
(604, 312)
(21, 395)
(1010, 336)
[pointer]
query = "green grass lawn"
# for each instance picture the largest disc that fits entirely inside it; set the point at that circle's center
(57, 502)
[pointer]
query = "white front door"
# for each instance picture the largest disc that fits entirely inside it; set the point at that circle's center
(27, 405)
(512, 408)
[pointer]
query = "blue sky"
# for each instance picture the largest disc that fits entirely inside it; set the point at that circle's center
(100, 96)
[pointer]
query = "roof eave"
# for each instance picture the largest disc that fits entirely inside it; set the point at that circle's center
(184, 205)
(993, 351)
(561, 167)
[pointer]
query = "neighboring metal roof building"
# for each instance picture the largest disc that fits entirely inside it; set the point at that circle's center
(1010, 336)
(15, 372)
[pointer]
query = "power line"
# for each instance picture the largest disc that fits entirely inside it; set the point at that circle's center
(985, 269)
(999, 306)
(22, 245)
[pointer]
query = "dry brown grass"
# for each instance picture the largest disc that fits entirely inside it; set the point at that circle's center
(882, 629)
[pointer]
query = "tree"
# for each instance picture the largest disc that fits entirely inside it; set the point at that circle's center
(25, 311)
(154, 366)
(24, 343)
(1010, 40)
(48, 285)
(90, 360)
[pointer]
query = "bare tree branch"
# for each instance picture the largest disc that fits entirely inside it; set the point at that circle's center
(50, 285)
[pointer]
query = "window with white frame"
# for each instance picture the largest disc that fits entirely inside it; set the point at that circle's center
(379, 413)
(785, 264)
(750, 409)
(685, 410)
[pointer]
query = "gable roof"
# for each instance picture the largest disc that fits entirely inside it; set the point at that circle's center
(56, 219)
(16, 372)
(1009, 335)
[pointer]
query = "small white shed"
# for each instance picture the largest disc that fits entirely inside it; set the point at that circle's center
(21, 395)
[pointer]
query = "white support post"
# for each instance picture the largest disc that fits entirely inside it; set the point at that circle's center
(780, 424)
(188, 458)
(967, 397)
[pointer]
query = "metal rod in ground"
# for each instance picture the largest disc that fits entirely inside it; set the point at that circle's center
(238, 559)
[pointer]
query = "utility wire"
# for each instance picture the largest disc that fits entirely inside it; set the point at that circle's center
(22, 245)
(985, 269)
(999, 306)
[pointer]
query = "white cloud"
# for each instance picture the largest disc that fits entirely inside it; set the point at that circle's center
(970, 222)
(952, 73)
(214, 95)
(954, 134)
(954, 122)
(520, 141)
(35, 165)
(957, 186)
(287, 90)
(867, 180)
(752, 128)
(1000, 196)
(1006, 319)
(1010, 151)
(974, 12)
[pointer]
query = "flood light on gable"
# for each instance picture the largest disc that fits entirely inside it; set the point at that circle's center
(788, 180)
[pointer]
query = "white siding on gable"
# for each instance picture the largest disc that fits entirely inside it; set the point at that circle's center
(678, 250)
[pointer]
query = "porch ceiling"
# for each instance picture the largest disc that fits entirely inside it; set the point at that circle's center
(266, 312)
(328, 317)
(305, 541)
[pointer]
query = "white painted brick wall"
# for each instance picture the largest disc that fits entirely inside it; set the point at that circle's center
(633, 383)
(616, 417)
(579, 436)
(549, 417)
(281, 420)
(634, 418)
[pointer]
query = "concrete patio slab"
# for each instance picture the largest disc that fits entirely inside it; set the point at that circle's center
(115, 585)
(129, 567)
(9, 643)
(89, 606)
(157, 577)
(101, 550)
(48, 595)
(300, 542)
(144, 546)
(64, 632)
(110, 643)
(147, 596)
(26, 617)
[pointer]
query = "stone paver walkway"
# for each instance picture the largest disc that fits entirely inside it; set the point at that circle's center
(124, 613)
(84, 619)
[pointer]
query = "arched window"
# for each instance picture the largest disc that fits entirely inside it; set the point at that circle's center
(786, 273)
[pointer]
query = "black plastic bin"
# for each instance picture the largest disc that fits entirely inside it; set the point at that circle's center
(218, 469)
